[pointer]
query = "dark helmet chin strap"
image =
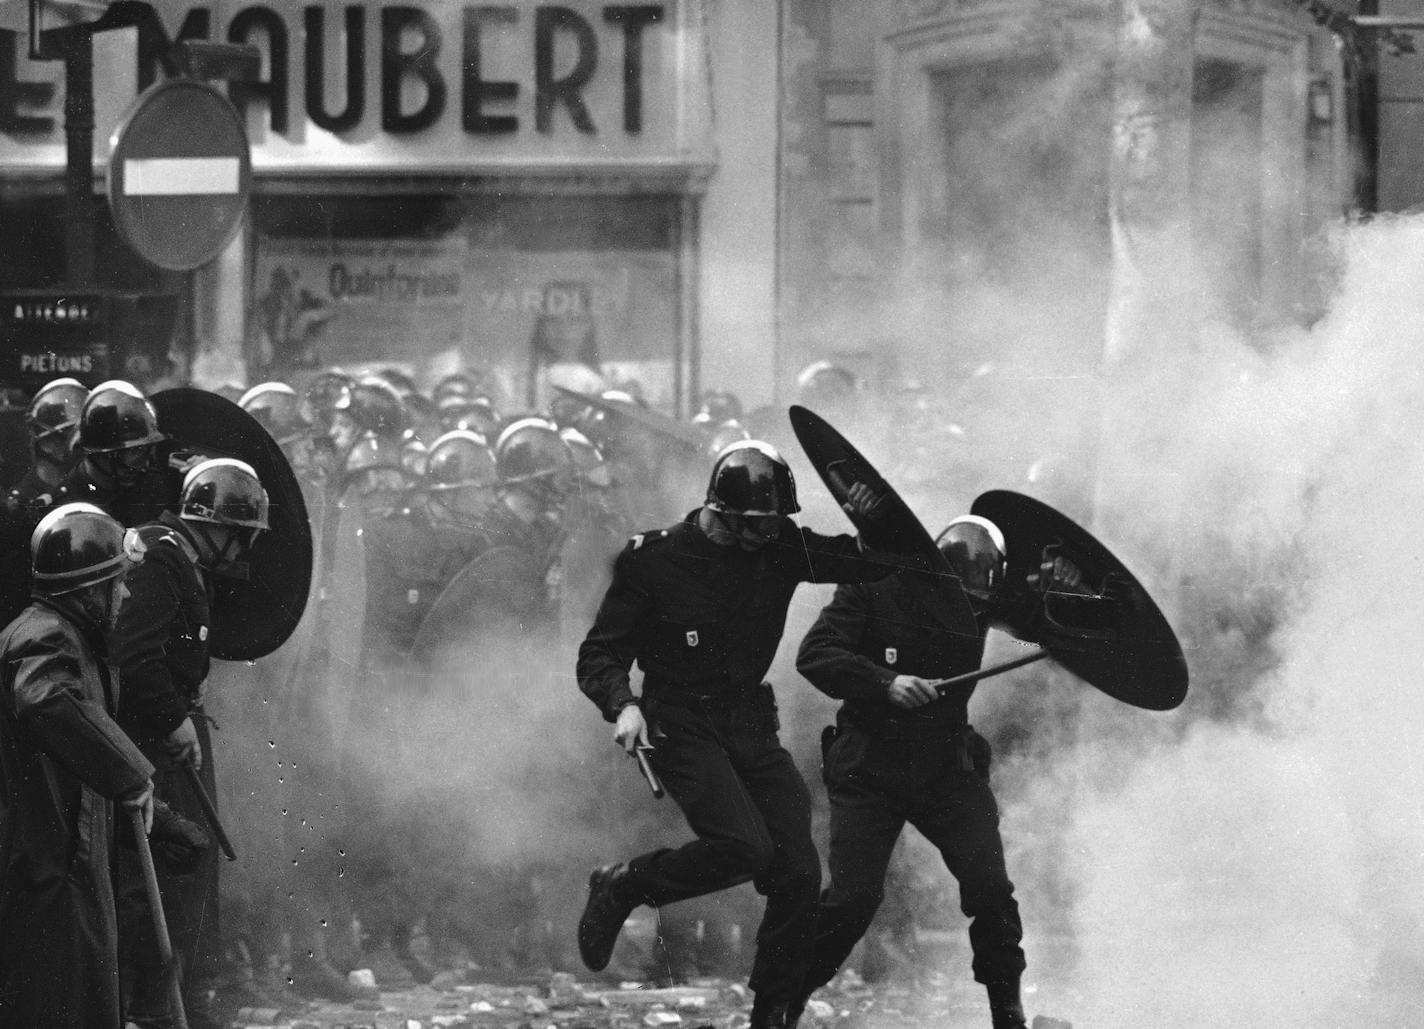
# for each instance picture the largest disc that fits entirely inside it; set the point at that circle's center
(227, 559)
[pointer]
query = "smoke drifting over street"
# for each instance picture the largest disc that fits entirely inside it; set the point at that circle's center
(1252, 858)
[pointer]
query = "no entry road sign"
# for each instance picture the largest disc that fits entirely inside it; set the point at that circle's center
(180, 173)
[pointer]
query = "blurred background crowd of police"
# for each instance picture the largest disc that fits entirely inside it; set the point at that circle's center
(412, 781)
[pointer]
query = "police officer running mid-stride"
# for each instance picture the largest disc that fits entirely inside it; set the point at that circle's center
(901, 752)
(701, 607)
(63, 764)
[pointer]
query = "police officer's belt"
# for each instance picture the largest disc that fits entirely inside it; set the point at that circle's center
(758, 696)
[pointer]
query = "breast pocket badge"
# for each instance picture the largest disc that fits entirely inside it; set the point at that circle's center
(692, 638)
(891, 655)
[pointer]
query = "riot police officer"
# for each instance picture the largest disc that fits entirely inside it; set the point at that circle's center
(118, 430)
(536, 472)
(66, 762)
(901, 752)
(51, 421)
(701, 606)
(160, 645)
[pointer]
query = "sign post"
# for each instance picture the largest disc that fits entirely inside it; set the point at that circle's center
(180, 174)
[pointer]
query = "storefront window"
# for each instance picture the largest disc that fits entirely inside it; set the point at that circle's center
(529, 290)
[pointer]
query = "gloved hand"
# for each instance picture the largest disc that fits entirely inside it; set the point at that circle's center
(863, 501)
(178, 843)
(1057, 575)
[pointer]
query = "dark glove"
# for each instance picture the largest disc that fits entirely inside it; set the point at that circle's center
(865, 502)
(178, 844)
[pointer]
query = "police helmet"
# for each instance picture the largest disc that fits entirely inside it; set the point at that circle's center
(456, 384)
(476, 413)
(460, 458)
(278, 408)
(718, 407)
(372, 453)
(55, 408)
(326, 393)
(752, 478)
(78, 545)
(588, 459)
(724, 435)
(399, 380)
(530, 449)
(223, 491)
(117, 416)
(826, 384)
(375, 406)
(976, 550)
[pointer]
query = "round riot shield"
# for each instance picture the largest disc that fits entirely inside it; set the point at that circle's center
(1116, 638)
(494, 592)
(893, 528)
(665, 426)
(255, 615)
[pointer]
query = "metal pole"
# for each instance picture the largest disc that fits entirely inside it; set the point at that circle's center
(983, 673)
(210, 810)
(160, 924)
(77, 46)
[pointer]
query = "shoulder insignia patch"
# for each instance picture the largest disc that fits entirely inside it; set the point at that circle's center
(637, 540)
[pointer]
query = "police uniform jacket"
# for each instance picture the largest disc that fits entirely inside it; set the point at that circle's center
(903, 625)
(702, 619)
(160, 643)
(410, 559)
(63, 760)
(143, 502)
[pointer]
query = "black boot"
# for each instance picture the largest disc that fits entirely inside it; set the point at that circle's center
(769, 1014)
(609, 905)
(1005, 1007)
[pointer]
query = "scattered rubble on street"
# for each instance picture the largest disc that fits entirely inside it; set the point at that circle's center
(564, 1002)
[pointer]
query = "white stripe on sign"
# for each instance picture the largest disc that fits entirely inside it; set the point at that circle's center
(180, 176)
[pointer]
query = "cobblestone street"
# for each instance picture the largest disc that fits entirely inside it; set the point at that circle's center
(563, 1002)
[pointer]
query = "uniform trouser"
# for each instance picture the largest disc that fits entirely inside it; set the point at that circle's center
(750, 809)
(190, 907)
(875, 787)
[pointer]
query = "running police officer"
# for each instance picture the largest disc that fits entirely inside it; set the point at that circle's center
(701, 607)
(65, 762)
(160, 645)
(901, 752)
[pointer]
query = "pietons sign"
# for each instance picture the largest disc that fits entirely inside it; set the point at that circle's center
(434, 83)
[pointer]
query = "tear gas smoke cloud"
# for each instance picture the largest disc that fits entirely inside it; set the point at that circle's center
(1251, 859)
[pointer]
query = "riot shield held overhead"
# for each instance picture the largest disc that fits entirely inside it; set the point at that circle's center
(254, 616)
(665, 426)
(1116, 639)
(893, 529)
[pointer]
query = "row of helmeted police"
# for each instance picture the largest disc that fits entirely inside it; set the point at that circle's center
(108, 587)
(446, 530)
(442, 526)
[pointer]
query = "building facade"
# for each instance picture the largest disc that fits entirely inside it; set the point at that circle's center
(515, 188)
(705, 193)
